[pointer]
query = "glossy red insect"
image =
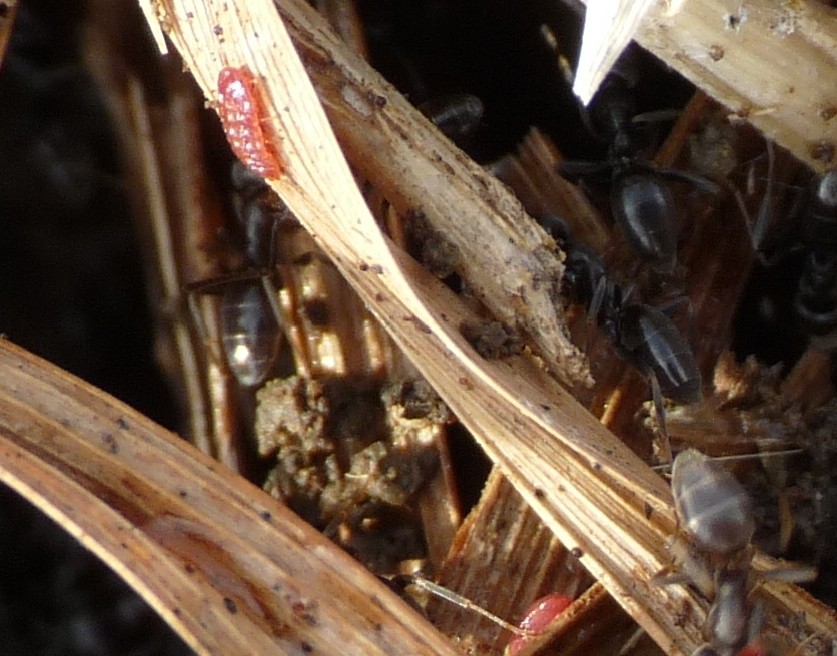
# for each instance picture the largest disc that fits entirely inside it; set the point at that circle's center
(538, 617)
(752, 650)
(242, 114)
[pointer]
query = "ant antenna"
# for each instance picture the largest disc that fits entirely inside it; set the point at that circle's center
(463, 602)
(659, 410)
(748, 456)
(740, 456)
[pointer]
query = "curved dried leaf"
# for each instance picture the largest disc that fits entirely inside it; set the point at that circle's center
(229, 568)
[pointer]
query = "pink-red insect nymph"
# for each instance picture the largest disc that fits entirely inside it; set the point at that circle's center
(242, 114)
(538, 618)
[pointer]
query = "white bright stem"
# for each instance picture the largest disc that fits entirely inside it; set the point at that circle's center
(608, 28)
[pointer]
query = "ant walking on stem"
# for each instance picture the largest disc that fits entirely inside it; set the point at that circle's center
(642, 335)
(641, 200)
(249, 315)
(712, 551)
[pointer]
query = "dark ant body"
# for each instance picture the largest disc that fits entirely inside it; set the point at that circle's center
(250, 334)
(815, 298)
(457, 115)
(648, 340)
(251, 330)
(712, 549)
(641, 200)
(815, 301)
(642, 335)
(713, 552)
(643, 207)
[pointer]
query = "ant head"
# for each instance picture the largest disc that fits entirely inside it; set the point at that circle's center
(556, 227)
(583, 275)
(612, 108)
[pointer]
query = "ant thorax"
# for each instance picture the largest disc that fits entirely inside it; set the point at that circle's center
(701, 567)
(730, 620)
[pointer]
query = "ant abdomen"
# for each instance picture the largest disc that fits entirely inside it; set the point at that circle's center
(250, 332)
(650, 342)
(643, 207)
(713, 507)
(457, 115)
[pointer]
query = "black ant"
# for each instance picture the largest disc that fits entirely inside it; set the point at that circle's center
(814, 216)
(712, 550)
(250, 319)
(642, 335)
(457, 115)
(815, 301)
(641, 200)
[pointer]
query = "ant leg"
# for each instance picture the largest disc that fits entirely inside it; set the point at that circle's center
(657, 116)
(575, 169)
(705, 650)
(758, 229)
(457, 599)
(269, 291)
(629, 291)
(605, 304)
(209, 342)
(756, 622)
(791, 573)
(632, 641)
(284, 316)
(742, 207)
(672, 305)
(273, 253)
(670, 576)
(698, 181)
(802, 645)
(299, 347)
(593, 310)
(763, 218)
(659, 410)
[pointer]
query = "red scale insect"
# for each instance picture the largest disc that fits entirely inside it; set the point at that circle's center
(242, 114)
